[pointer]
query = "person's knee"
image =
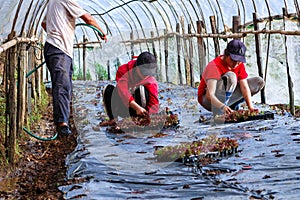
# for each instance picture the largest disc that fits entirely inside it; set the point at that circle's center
(260, 82)
(229, 81)
(256, 84)
(141, 95)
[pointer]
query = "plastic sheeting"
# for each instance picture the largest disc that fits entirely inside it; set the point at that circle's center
(123, 166)
(117, 17)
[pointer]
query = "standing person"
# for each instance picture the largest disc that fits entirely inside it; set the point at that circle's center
(136, 92)
(225, 83)
(59, 23)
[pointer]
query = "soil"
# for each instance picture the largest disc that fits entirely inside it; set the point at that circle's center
(41, 166)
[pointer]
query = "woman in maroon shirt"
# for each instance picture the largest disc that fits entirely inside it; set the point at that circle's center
(224, 81)
(136, 92)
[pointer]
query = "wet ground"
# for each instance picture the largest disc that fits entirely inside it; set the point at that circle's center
(123, 166)
(41, 168)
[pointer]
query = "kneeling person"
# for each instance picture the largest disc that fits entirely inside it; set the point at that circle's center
(225, 83)
(136, 92)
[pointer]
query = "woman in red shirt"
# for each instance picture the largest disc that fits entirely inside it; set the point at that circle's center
(136, 92)
(224, 81)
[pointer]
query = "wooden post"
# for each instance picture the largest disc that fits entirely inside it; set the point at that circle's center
(178, 41)
(185, 54)
(84, 57)
(21, 92)
(166, 46)
(31, 79)
(290, 81)
(108, 70)
(132, 45)
(153, 45)
(214, 31)
(201, 50)
(191, 55)
(38, 80)
(12, 141)
(155, 54)
(258, 55)
(236, 24)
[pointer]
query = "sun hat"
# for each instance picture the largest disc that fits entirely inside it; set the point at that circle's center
(147, 63)
(237, 50)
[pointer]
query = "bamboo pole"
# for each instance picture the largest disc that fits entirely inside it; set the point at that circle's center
(178, 44)
(12, 140)
(201, 51)
(214, 31)
(185, 54)
(131, 44)
(84, 58)
(166, 50)
(108, 71)
(153, 45)
(32, 79)
(38, 77)
(191, 55)
(258, 56)
(268, 43)
(290, 81)
(154, 51)
(21, 92)
(236, 24)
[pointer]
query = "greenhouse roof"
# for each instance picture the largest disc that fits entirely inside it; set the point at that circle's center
(120, 16)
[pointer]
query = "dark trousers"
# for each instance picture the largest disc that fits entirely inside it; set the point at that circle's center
(114, 106)
(60, 66)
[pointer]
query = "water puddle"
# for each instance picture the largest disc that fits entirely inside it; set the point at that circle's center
(123, 166)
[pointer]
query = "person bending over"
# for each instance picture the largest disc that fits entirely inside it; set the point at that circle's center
(225, 83)
(136, 91)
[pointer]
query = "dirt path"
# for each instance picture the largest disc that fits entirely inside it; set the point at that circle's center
(41, 170)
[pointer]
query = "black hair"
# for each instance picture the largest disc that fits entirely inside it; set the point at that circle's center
(226, 53)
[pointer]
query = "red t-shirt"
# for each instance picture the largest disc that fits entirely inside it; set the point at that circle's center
(215, 70)
(127, 81)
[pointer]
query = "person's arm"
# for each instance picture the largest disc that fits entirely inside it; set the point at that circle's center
(87, 18)
(210, 95)
(246, 93)
(139, 109)
(127, 97)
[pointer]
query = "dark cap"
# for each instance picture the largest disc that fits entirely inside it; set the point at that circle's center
(236, 50)
(147, 64)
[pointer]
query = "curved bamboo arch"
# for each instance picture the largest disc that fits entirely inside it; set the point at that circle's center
(169, 24)
(130, 17)
(139, 22)
(189, 16)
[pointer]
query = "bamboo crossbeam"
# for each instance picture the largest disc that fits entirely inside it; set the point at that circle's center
(211, 35)
(13, 42)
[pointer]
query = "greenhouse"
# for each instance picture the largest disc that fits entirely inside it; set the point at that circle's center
(106, 162)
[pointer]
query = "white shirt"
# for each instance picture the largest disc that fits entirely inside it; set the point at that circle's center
(60, 23)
